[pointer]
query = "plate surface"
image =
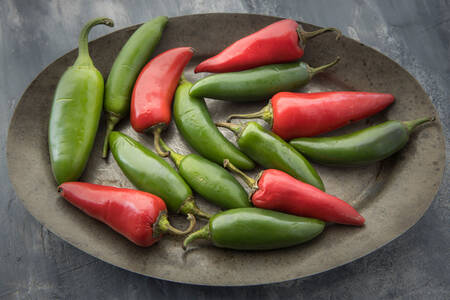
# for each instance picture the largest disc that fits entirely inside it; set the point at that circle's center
(391, 195)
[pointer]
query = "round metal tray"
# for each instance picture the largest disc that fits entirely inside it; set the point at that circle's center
(391, 195)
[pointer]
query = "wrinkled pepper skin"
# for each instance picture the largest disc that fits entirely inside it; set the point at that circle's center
(256, 84)
(152, 174)
(270, 151)
(280, 42)
(293, 115)
(151, 102)
(75, 112)
(196, 126)
(257, 229)
(131, 59)
(362, 147)
(279, 191)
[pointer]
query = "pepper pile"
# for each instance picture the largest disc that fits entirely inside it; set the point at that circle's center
(287, 204)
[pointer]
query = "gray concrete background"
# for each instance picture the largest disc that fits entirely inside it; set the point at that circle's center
(35, 264)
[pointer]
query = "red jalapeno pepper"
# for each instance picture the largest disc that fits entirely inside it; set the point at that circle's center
(277, 190)
(139, 216)
(153, 92)
(282, 41)
(294, 115)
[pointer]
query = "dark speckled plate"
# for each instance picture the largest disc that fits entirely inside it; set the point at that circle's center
(391, 195)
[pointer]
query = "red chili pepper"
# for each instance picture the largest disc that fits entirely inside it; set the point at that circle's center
(293, 115)
(153, 92)
(280, 42)
(278, 190)
(139, 216)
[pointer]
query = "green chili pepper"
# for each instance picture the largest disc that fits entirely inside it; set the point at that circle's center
(361, 147)
(76, 110)
(272, 152)
(150, 173)
(256, 84)
(210, 180)
(196, 126)
(257, 229)
(131, 59)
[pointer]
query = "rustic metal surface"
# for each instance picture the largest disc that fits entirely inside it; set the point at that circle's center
(392, 196)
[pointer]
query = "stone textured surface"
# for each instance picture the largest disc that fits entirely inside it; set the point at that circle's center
(36, 264)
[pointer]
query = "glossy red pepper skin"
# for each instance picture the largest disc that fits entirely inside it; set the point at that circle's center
(278, 190)
(276, 43)
(131, 213)
(151, 101)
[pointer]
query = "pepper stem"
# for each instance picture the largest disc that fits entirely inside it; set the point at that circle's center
(176, 157)
(83, 58)
(202, 233)
(236, 128)
(306, 35)
(189, 207)
(110, 124)
(156, 138)
(165, 226)
(411, 125)
(265, 113)
(313, 71)
(252, 183)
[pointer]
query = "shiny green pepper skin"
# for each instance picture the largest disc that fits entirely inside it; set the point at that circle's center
(196, 126)
(152, 174)
(361, 147)
(257, 229)
(75, 113)
(272, 152)
(256, 84)
(131, 59)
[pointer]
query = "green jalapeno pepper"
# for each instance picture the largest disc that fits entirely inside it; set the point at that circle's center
(361, 147)
(257, 229)
(256, 84)
(272, 152)
(210, 180)
(150, 173)
(131, 59)
(76, 110)
(196, 126)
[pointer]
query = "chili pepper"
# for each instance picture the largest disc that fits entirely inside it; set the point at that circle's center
(361, 147)
(280, 42)
(132, 57)
(210, 180)
(258, 83)
(277, 190)
(196, 126)
(75, 113)
(254, 228)
(270, 151)
(151, 102)
(152, 174)
(294, 115)
(140, 217)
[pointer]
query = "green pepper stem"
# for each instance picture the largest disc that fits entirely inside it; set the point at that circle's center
(110, 124)
(411, 125)
(252, 183)
(156, 138)
(189, 207)
(313, 71)
(176, 157)
(265, 113)
(202, 233)
(165, 226)
(83, 58)
(305, 35)
(236, 128)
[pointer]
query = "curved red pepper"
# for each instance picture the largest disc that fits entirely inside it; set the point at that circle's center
(280, 42)
(153, 91)
(139, 216)
(278, 190)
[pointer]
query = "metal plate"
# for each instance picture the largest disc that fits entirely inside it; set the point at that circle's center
(391, 195)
